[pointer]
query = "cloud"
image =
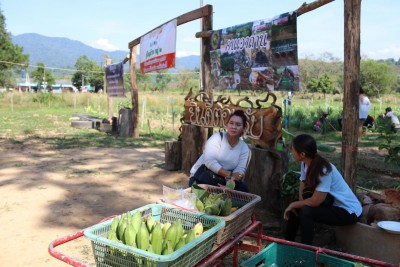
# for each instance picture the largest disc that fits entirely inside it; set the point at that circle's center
(392, 51)
(103, 44)
(187, 53)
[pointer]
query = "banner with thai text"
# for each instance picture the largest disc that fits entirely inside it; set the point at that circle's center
(259, 55)
(157, 48)
(115, 80)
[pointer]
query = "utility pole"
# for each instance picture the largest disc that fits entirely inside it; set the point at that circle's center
(108, 61)
(44, 82)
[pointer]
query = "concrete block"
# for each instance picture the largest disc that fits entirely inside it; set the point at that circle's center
(369, 241)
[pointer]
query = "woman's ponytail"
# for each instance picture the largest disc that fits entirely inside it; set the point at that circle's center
(319, 166)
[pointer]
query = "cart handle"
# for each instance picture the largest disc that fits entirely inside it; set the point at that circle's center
(65, 258)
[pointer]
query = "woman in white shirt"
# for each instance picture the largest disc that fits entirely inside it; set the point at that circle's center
(364, 107)
(324, 195)
(225, 154)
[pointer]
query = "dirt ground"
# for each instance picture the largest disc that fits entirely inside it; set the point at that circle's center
(47, 194)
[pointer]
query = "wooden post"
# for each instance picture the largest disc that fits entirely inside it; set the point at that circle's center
(352, 10)
(193, 140)
(194, 137)
(135, 93)
(205, 60)
(173, 155)
(125, 120)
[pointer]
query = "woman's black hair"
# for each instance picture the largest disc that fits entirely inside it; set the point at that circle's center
(319, 166)
(239, 113)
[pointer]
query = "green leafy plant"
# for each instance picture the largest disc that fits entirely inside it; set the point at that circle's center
(393, 149)
(125, 103)
(290, 184)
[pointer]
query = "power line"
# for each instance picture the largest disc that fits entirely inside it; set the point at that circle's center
(51, 68)
(91, 71)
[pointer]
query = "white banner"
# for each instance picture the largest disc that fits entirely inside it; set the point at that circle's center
(157, 49)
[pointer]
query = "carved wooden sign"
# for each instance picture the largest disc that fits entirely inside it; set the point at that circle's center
(263, 127)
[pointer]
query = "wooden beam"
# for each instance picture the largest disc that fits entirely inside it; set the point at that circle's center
(202, 12)
(304, 8)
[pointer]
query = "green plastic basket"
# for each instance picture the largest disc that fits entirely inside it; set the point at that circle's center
(108, 253)
(289, 256)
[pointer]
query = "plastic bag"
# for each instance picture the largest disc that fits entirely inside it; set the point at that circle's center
(180, 197)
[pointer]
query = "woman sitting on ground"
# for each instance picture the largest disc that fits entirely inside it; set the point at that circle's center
(324, 195)
(225, 155)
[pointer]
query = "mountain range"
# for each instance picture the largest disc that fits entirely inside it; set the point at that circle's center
(59, 52)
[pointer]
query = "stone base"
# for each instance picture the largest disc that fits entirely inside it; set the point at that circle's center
(369, 242)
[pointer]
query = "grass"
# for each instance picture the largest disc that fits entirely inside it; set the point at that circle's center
(35, 117)
(45, 118)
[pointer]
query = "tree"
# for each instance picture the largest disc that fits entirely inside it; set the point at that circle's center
(326, 85)
(184, 79)
(42, 76)
(311, 68)
(88, 72)
(11, 57)
(323, 85)
(163, 78)
(312, 85)
(376, 78)
(143, 80)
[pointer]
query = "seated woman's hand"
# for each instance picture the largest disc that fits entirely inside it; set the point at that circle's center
(288, 210)
(237, 176)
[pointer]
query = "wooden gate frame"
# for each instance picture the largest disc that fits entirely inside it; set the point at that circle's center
(206, 14)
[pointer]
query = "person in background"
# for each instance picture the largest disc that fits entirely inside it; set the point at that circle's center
(324, 195)
(369, 122)
(395, 126)
(320, 123)
(364, 107)
(225, 154)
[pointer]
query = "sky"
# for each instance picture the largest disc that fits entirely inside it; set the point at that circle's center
(111, 25)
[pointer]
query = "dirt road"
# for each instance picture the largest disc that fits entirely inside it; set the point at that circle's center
(47, 194)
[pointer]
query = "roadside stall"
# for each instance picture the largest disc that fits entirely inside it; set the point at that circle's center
(171, 234)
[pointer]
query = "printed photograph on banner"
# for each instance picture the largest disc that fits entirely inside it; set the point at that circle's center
(115, 80)
(158, 48)
(258, 56)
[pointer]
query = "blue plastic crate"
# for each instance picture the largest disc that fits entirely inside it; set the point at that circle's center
(112, 254)
(290, 256)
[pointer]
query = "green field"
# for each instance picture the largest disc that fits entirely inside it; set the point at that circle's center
(47, 117)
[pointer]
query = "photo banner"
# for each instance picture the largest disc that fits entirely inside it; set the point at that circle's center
(158, 48)
(259, 55)
(115, 80)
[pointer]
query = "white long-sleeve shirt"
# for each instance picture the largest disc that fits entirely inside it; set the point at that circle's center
(218, 154)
